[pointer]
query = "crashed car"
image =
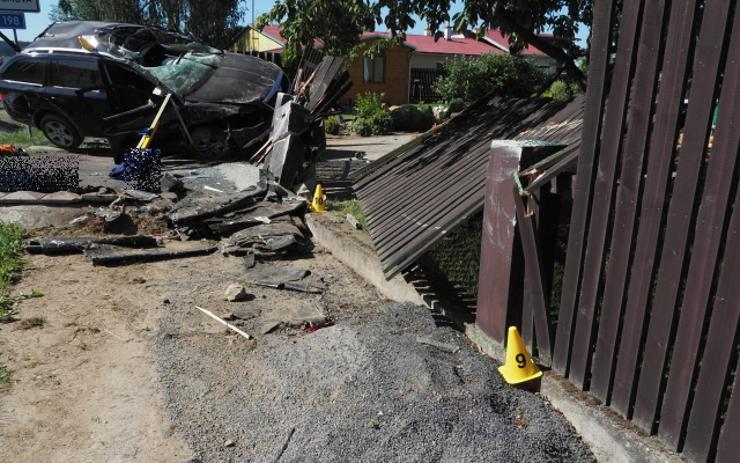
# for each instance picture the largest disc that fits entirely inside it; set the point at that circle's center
(97, 79)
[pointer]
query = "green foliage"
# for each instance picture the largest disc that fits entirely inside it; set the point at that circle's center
(10, 253)
(333, 125)
(457, 255)
(562, 90)
(371, 115)
(410, 118)
(469, 78)
(20, 138)
(11, 248)
(5, 377)
(215, 22)
(352, 206)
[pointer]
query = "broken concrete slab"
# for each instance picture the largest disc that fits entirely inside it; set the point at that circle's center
(236, 293)
(241, 174)
(22, 197)
(61, 197)
(35, 216)
(276, 274)
(203, 204)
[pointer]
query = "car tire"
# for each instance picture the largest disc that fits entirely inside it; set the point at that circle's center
(60, 132)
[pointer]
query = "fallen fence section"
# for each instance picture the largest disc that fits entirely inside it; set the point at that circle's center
(418, 194)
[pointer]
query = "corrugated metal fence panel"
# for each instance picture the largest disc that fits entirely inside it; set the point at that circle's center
(420, 195)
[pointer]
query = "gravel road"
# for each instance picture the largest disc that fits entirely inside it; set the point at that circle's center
(363, 390)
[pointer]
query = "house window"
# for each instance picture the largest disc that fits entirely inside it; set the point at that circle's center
(374, 69)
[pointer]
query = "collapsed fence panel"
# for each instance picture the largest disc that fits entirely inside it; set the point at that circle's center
(423, 192)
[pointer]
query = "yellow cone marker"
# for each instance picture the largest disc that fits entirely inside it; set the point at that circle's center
(519, 366)
(318, 204)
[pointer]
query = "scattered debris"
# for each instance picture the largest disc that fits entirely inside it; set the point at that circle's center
(236, 293)
(352, 220)
(117, 255)
(73, 245)
(225, 323)
(290, 286)
(229, 443)
(29, 323)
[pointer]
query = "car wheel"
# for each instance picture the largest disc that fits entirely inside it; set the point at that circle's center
(60, 132)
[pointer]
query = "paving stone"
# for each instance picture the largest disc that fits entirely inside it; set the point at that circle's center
(61, 197)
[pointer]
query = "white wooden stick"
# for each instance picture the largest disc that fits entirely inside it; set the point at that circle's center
(224, 322)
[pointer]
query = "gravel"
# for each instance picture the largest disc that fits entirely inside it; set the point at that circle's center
(363, 390)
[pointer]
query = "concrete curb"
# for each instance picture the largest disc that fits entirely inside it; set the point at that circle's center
(363, 261)
(609, 440)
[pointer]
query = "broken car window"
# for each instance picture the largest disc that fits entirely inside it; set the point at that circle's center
(186, 74)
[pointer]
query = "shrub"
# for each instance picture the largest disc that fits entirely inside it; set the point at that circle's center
(562, 90)
(470, 78)
(333, 125)
(409, 118)
(371, 115)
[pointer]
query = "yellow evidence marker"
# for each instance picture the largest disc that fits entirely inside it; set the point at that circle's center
(519, 366)
(318, 204)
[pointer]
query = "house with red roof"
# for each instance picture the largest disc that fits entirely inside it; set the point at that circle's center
(404, 73)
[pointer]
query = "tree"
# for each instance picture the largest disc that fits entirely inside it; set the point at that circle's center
(468, 78)
(215, 21)
(340, 23)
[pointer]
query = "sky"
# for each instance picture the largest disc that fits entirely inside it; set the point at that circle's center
(37, 22)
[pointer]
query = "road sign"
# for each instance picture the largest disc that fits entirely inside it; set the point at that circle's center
(12, 21)
(28, 6)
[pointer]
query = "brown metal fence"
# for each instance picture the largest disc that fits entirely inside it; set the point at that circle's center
(648, 321)
(422, 85)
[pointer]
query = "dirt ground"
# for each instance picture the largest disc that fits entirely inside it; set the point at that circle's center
(85, 385)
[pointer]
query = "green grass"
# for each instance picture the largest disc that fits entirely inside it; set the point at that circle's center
(352, 206)
(10, 265)
(20, 138)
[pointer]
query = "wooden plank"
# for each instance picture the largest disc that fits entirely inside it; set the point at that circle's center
(611, 144)
(595, 94)
(728, 448)
(726, 312)
(720, 344)
(662, 146)
(533, 279)
(709, 224)
(627, 198)
(497, 244)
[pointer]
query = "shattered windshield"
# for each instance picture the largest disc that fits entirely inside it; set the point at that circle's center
(187, 73)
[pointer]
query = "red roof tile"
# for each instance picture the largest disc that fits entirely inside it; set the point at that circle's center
(494, 35)
(454, 46)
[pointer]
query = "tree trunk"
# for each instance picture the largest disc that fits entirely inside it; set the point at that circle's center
(555, 52)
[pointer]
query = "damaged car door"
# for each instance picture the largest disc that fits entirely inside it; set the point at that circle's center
(76, 93)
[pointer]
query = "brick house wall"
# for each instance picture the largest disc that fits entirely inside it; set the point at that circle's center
(395, 86)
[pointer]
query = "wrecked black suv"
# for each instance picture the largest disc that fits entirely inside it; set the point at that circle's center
(107, 80)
